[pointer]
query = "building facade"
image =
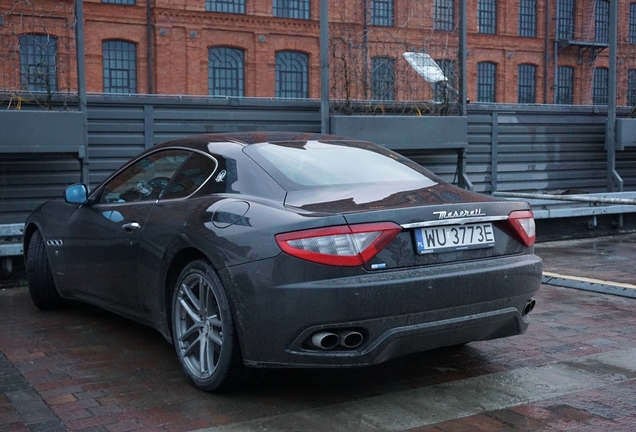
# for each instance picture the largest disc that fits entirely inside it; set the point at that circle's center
(522, 51)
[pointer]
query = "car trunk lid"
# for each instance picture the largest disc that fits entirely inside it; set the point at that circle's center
(440, 224)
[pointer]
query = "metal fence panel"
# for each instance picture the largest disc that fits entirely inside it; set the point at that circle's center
(121, 127)
(539, 148)
(27, 180)
(511, 147)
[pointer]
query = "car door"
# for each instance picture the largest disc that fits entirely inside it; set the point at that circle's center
(102, 238)
(170, 219)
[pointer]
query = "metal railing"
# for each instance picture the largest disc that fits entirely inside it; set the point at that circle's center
(549, 206)
(11, 239)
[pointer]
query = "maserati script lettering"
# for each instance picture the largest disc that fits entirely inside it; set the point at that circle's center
(458, 213)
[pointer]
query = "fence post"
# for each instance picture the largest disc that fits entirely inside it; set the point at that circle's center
(149, 125)
(494, 151)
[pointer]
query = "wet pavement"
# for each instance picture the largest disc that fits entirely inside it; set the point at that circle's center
(83, 369)
(610, 258)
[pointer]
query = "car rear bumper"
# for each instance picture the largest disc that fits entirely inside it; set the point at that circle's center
(397, 312)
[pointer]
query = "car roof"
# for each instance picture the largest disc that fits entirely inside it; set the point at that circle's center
(246, 138)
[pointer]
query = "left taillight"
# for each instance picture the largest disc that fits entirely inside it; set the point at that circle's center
(342, 245)
(523, 224)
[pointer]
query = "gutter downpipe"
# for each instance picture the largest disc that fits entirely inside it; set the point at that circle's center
(614, 180)
(365, 53)
(463, 94)
(547, 54)
(324, 66)
(556, 53)
(149, 41)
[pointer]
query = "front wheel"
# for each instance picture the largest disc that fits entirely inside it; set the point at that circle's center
(41, 285)
(203, 330)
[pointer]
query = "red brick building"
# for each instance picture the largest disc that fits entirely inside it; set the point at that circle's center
(270, 48)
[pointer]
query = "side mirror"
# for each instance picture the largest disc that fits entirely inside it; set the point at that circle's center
(76, 194)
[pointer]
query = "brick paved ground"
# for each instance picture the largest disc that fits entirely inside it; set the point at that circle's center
(83, 369)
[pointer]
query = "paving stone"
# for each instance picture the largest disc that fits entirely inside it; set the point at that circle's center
(48, 426)
(90, 422)
(14, 427)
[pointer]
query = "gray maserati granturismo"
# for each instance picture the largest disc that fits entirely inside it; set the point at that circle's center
(253, 250)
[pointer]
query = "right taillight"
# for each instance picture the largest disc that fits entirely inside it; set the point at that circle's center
(523, 223)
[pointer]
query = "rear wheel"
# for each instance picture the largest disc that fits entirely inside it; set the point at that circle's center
(203, 330)
(41, 285)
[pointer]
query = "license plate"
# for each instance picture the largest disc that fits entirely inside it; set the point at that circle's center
(454, 237)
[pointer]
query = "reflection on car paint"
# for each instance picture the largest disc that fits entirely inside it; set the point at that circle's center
(113, 215)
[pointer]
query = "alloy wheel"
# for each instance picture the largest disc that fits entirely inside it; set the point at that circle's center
(198, 326)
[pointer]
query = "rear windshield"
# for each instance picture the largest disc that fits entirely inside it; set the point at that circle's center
(308, 164)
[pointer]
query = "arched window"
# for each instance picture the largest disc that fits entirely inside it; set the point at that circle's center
(564, 89)
(527, 83)
(120, 66)
(226, 72)
(486, 82)
(38, 64)
(292, 74)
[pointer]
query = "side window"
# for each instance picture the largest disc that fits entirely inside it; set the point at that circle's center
(146, 179)
(191, 176)
(224, 178)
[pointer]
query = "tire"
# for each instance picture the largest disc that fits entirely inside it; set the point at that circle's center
(203, 332)
(42, 288)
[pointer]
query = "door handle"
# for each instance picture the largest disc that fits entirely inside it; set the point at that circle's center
(131, 226)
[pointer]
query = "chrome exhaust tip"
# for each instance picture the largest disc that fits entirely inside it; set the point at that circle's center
(529, 306)
(325, 340)
(350, 338)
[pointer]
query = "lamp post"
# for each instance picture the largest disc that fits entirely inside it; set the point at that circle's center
(324, 66)
(81, 83)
